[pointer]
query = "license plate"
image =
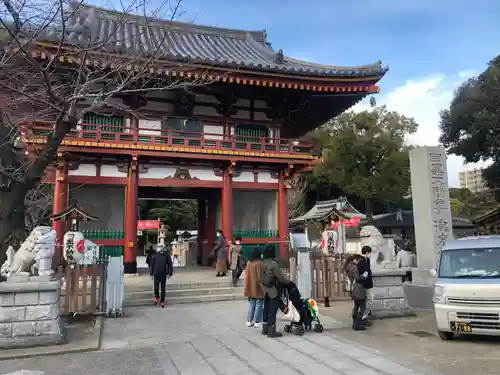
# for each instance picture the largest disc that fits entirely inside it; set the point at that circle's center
(460, 327)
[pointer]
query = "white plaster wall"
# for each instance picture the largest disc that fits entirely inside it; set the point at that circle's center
(111, 171)
(255, 209)
(261, 104)
(105, 202)
(213, 129)
(266, 177)
(204, 174)
(241, 114)
(84, 170)
(205, 111)
(245, 176)
(150, 124)
(160, 172)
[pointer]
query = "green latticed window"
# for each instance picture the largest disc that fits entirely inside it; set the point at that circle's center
(106, 234)
(251, 133)
(255, 233)
(116, 123)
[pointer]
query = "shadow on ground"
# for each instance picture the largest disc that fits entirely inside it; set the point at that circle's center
(415, 339)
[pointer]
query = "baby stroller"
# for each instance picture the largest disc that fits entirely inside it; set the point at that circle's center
(307, 310)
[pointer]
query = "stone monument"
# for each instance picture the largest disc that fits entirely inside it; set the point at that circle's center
(432, 220)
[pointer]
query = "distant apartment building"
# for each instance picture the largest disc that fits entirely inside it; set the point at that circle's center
(473, 180)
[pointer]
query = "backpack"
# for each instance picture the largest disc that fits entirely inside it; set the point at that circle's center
(349, 280)
(267, 277)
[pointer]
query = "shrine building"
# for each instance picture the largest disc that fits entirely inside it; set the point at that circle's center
(229, 137)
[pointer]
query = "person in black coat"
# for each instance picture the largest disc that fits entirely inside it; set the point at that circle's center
(149, 256)
(364, 266)
(161, 269)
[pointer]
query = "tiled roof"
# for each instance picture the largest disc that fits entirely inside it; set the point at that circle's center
(405, 219)
(325, 209)
(135, 35)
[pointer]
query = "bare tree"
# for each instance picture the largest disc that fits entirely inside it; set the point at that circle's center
(56, 64)
(296, 194)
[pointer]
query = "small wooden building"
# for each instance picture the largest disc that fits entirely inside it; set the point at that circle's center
(400, 223)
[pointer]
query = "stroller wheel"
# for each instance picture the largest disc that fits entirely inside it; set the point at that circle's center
(299, 331)
(288, 328)
(318, 328)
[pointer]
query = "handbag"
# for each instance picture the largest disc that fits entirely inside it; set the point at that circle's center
(292, 314)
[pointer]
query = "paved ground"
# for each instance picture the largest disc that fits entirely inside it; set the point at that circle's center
(415, 340)
(212, 339)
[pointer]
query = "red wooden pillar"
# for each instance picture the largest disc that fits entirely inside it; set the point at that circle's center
(210, 225)
(60, 203)
(282, 216)
(227, 205)
(131, 204)
(201, 229)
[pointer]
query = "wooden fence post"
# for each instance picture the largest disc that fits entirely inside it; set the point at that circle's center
(293, 269)
(326, 280)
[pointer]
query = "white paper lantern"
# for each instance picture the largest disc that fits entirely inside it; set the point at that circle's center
(74, 247)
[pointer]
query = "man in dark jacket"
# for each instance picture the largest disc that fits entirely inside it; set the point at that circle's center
(273, 281)
(364, 266)
(161, 268)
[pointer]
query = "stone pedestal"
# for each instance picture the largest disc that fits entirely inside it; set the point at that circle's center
(29, 313)
(388, 295)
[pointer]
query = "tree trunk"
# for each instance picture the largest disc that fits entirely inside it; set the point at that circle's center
(369, 211)
(12, 207)
(12, 212)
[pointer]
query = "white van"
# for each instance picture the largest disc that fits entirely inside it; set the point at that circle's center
(467, 289)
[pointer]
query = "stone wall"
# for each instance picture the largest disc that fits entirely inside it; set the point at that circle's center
(29, 313)
(388, 295)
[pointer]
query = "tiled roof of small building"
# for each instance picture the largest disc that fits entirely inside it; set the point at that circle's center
(405, 219)
(128, 34)
(325, 209)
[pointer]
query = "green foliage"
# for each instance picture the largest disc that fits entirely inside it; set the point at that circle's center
(366, 154)
(469, 127)
(175, 214)
(468, 205)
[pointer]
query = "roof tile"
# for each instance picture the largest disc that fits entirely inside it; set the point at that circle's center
(123, 33)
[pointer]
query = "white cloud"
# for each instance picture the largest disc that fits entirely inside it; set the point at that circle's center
(423, 99)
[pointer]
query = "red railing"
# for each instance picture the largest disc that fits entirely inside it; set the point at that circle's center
(128, 135)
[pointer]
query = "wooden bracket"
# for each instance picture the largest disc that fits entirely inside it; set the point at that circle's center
(133, 163)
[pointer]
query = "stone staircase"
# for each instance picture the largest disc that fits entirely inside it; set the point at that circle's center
(141, 293)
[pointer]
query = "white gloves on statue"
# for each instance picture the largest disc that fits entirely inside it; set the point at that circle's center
(365, 274)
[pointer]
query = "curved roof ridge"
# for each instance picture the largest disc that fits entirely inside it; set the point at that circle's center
(100, 12)
(369, 67)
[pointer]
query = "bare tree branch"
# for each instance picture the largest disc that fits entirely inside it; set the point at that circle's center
(55, 68)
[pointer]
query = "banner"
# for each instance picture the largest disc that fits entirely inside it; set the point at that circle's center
(352, 222)
(148, 224)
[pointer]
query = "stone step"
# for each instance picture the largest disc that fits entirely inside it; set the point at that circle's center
(184, 292)
(129, 287)
(143, 301)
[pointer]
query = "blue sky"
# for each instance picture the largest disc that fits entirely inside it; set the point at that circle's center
(430, 46)
(414, 37)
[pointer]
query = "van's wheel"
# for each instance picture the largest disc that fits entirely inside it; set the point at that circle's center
(446, 335)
